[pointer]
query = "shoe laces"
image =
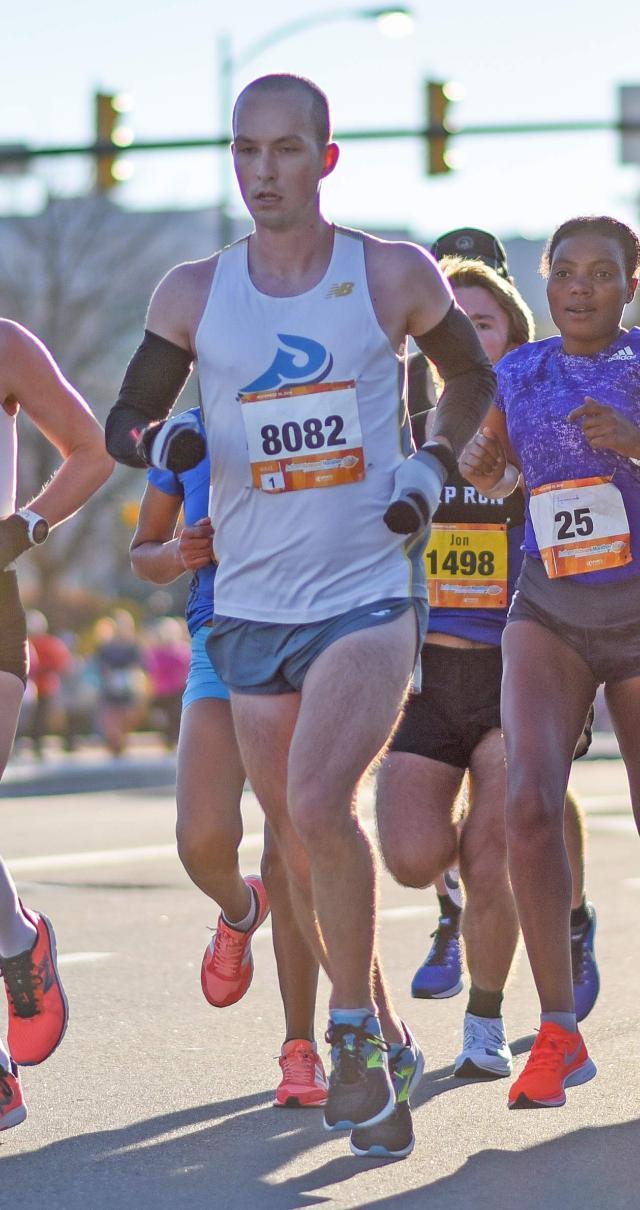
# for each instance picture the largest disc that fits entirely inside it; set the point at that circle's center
(24, 984)
(484, 1030)
(445, 945)
(348, 1042)
(299, 1065)
(547, 1052)
(6, 1091)
(228, 947)
(580, 955)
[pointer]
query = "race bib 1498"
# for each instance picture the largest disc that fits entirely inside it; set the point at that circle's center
(467, 566)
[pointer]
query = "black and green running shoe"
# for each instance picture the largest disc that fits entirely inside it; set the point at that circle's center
(361, 1092)
(393, 1138)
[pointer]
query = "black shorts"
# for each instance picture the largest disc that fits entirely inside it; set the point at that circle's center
(458, 704)
(14, 652)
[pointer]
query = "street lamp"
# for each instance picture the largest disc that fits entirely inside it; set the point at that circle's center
(393, 20)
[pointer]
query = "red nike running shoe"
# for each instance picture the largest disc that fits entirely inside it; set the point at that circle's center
(227, 966)
(12, 1107)
(558, 1060)
(38, 1009)
(304, 1083)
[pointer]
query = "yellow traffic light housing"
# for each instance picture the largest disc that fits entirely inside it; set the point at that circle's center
(438, 97)
(110, 170)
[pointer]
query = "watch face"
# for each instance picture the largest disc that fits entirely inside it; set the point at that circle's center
(40, 531)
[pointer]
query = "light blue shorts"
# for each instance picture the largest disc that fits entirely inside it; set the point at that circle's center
(273, 657)
(202, 681)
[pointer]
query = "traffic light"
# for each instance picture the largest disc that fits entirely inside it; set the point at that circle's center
(629, 106)
(111, 170)
(438, 97)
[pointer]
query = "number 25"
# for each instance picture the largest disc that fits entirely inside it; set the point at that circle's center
(581, 520)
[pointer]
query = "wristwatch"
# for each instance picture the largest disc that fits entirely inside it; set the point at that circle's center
(37, 527)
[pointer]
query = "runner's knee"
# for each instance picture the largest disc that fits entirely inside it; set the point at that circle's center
(207, 848)
(418, 865)
(534, 812)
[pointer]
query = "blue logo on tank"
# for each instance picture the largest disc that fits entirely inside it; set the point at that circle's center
(297, 361)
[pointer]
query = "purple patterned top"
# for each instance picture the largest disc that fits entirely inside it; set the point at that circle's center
(538, 386)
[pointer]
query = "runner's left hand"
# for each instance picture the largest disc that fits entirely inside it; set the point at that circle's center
(14, 540)
(605, 428)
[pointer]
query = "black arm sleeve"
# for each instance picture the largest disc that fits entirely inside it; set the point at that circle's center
(422, 395)
(469, 381)
(154, 379)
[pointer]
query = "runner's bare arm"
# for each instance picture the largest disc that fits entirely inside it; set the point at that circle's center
(159, 369)
(30, 377)
(154, 546)
(157, 554)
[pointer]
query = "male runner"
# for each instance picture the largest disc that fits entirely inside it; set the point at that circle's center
(319, 520)
(30, 378)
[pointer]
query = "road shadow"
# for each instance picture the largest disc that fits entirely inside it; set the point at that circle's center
(194, 1158)
(441, 1079)
(596, 1168)
(233, 1154)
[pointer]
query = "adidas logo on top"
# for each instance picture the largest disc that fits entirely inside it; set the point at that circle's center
(626, 354)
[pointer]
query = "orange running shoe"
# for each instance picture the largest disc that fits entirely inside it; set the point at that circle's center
(13, 1110)
(304, 1083)
(38, 1009)
(557, 1061)
(227, 966)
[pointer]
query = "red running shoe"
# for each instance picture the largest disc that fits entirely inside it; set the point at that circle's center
(13, 1110)
(227, 966)
(304, 1083)
(38, 1009)
(558, 1060)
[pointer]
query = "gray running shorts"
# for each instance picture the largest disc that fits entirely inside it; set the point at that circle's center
(611, 652)
(274, 657)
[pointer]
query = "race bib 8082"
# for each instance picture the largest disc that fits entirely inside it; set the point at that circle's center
(303, 437)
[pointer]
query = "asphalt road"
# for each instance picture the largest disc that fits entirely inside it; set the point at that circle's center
(155, 1100)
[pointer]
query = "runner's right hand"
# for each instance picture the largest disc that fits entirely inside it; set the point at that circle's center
(483, 461)
(195, 545)
(174, 445)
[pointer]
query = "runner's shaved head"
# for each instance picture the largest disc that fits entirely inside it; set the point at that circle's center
(283, 82)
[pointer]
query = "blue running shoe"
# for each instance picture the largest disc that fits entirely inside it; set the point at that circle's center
(440, 975)
(361, 1092)
(584, 968)
(394, 1138)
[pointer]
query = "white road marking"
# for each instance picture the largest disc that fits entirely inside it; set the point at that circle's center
(611, 823)
(408, 912)
(254, 840)
(88, 956)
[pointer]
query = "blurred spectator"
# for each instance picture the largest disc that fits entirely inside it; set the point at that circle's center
(78, 697)
(122, 686)
(167, 661)
(52, 659)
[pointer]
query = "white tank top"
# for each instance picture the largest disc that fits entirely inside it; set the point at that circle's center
(306, 425)
(8, 456)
